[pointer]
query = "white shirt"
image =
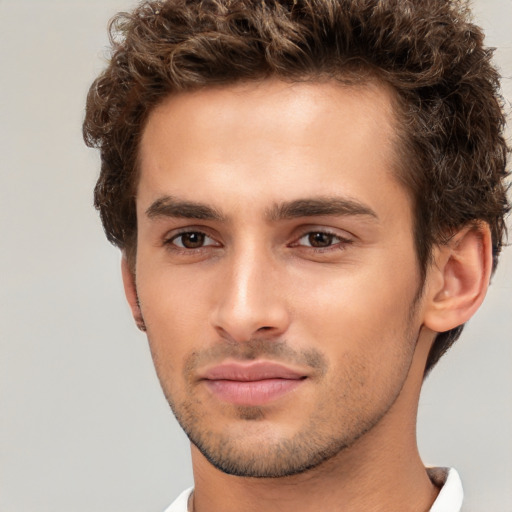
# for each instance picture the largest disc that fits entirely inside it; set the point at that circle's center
(449, 498)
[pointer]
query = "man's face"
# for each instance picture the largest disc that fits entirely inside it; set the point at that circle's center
(276, 270)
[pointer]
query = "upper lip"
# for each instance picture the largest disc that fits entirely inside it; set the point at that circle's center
(253, 371)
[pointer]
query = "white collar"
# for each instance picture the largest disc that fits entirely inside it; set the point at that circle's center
(451, 494)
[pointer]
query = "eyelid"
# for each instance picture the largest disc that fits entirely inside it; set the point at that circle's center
(171, 236)
(205, 243)
(340, 238)
(343, 236)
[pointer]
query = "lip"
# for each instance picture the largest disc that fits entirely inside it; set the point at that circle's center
(251, 384)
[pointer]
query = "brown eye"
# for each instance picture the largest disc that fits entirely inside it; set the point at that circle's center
(191, 240)
(320, 239)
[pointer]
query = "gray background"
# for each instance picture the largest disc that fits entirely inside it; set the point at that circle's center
(83, 423)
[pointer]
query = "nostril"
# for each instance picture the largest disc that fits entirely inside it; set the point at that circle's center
(265, 328)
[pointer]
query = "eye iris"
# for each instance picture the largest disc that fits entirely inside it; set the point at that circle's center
(320, 239)
(192, 240)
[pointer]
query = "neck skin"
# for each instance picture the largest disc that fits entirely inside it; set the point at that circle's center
(382, 471)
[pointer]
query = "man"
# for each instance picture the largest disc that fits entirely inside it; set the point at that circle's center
(310, 201)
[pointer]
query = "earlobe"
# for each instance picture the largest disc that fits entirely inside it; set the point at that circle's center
(130, 291)
(459, 278)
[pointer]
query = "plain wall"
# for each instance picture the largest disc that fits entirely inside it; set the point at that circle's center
(84, 426)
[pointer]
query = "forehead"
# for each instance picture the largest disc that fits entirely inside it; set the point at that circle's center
(269, 141)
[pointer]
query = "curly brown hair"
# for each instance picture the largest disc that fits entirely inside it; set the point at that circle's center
(452, 150)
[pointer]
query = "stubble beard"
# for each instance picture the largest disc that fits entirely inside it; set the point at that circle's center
(284, 457)
(256, 452)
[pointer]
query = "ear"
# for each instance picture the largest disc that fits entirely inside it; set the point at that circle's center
(459, 278)
(130, 291)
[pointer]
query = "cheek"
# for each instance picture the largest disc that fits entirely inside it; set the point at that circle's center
(170, 297)
(369, 339)
(174, 313)
(364, 312)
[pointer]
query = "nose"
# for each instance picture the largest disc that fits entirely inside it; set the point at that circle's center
(250, 299)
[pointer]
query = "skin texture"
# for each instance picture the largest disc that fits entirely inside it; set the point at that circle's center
(271, 229)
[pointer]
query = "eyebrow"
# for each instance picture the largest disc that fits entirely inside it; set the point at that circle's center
(168, 206)
(316, 207)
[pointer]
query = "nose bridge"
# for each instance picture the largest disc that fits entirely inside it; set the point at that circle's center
(250, 300)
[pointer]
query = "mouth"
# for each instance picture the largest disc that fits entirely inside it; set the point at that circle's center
(251, 384)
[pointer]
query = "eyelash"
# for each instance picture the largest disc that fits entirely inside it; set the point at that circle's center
(171, 241)
(340, 243)
(337, 242)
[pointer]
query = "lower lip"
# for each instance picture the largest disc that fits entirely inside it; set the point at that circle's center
(253, 393)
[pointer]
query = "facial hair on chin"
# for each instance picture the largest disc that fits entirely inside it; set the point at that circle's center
(309, 447)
